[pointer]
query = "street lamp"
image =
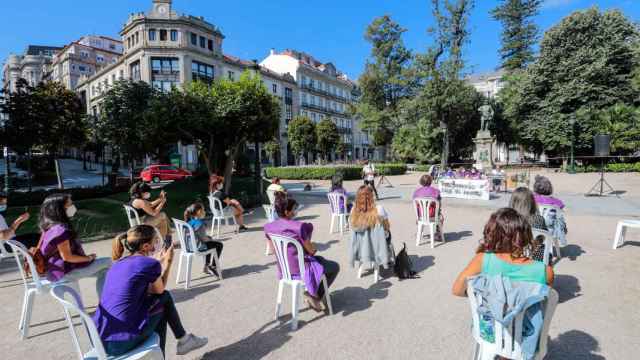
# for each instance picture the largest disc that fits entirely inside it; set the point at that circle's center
(572, 160)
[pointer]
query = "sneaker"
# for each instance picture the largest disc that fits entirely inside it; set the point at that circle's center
(189, 343)
(213, 271)
(242, 228)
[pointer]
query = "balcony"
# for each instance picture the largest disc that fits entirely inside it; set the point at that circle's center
(323, 109)
(314, 89)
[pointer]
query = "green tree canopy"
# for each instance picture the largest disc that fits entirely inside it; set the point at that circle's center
(519, 32)
(302, 135)
(327, 137)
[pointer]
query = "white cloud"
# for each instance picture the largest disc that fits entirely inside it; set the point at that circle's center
(549, 4)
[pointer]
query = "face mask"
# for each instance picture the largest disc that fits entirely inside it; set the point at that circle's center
(220, 186)
(3, 207)
(71, 211)
(146, 196)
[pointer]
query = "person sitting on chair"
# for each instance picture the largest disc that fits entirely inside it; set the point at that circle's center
(502, 251)
(216, 186)
(523, 202)
(194, 215)
(314, 266)
(427, 191)
(366, 215)
(150, 211)
(336, 187)
(9, 232)
(274, 187)
(135, 302)
(543, 189)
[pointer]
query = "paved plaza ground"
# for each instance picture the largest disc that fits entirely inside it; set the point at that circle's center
(597, 317)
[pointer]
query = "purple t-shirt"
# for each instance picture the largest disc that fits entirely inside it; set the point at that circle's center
(56, 266)
(427, 192)
(548, 200)
(125, 305)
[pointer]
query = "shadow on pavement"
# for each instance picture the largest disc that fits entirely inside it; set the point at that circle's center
(630, 243)
(455, 236)
(572, 251)
(421, 264)
(255, 346)
(246, 270)
(180, 294)
(574, 344)
(325, 246)
(353, 299)
(567, 286)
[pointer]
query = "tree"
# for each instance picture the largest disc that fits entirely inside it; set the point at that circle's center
(327, 137)
(586, 62)
(384, 82)
(621, 121)
(122, 122)
(272, 148)
(519, 33)
(302, 136)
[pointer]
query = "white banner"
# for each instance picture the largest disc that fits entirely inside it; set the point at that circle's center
(464, 189)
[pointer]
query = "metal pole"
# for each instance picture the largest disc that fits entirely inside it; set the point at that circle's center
(7, 163)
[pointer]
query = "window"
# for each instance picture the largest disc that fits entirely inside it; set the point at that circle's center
(112, 46)
(202, 72)
(152, 34)
(274, 88)
(194, 39)
(312, 83)
(303, 98)
(113, 78)
(99, 59)
(82, 68)
(163, 35)
(231, 75)
(134, 70)
(210, 45)
(137, 37)
(203, 42)
(165, 73)
(174, 35)
(121, 75)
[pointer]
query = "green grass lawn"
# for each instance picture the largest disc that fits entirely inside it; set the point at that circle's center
(104, 217)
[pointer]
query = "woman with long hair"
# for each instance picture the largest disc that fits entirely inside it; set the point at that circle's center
(61, 248)
(371, 230)
(366, 214)
(135, 303)
(502, 251)
(150, 211)
(523, 202)
(314, 266)
(216, 187)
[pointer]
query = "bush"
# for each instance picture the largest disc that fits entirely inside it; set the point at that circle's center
(348, 172)
(618, 167)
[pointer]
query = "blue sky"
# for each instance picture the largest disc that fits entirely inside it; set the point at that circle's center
(331, 30)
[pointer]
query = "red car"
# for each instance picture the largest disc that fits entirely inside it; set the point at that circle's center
(157, 173)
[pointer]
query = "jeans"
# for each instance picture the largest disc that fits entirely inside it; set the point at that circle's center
(331, 270)
(157, 323)
(208, 245)
(98, 269)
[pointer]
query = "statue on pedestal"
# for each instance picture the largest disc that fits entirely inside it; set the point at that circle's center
(486, 118)
(483, 154)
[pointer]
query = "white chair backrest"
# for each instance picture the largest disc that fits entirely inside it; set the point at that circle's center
(508, 339)
(216, 206)
(3, 252)
(334, 203)
(72, 305)
(20, 251)
(270, 211)
(544, 209)
(281, 245)
(421, 207)
(548, 243)
(186, 235)
(272, 196)
(132, 216)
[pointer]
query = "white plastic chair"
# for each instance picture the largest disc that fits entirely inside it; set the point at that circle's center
(149, 349)
(421, 207)
(550, 243)
(189, 249)
(621, 231)
(281, 245)
(33, 285)
(270, 213)
(508, 340)
(338, 212)
(132, 215)
(4, 254)
(220, 214)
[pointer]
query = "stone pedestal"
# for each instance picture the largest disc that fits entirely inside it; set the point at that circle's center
(483, 154)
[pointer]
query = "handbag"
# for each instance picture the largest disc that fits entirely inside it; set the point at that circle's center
(38, 259)
(403, 266)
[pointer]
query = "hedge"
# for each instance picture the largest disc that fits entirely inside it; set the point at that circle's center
(18, 198)
(348, 172)
(620, 167)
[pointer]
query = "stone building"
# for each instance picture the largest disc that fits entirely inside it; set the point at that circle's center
(31, 66)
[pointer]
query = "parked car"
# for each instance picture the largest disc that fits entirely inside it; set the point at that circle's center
(157, 173)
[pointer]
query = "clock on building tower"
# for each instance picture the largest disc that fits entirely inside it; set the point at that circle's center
(162, 7)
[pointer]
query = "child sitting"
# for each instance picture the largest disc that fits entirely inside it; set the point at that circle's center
(194, 215)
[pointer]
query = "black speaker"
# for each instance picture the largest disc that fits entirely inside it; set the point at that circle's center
(601, 145)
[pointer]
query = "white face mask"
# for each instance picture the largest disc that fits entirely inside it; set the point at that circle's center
(71, 211)
(3, 207)
(146, 196)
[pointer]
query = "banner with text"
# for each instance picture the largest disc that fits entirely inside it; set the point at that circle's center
(464, 189)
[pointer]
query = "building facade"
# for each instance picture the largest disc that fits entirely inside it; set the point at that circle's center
(30, 66)
(324, 92)
(83, 58)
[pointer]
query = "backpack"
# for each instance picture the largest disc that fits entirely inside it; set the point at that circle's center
(403, 266)
(38, 259)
